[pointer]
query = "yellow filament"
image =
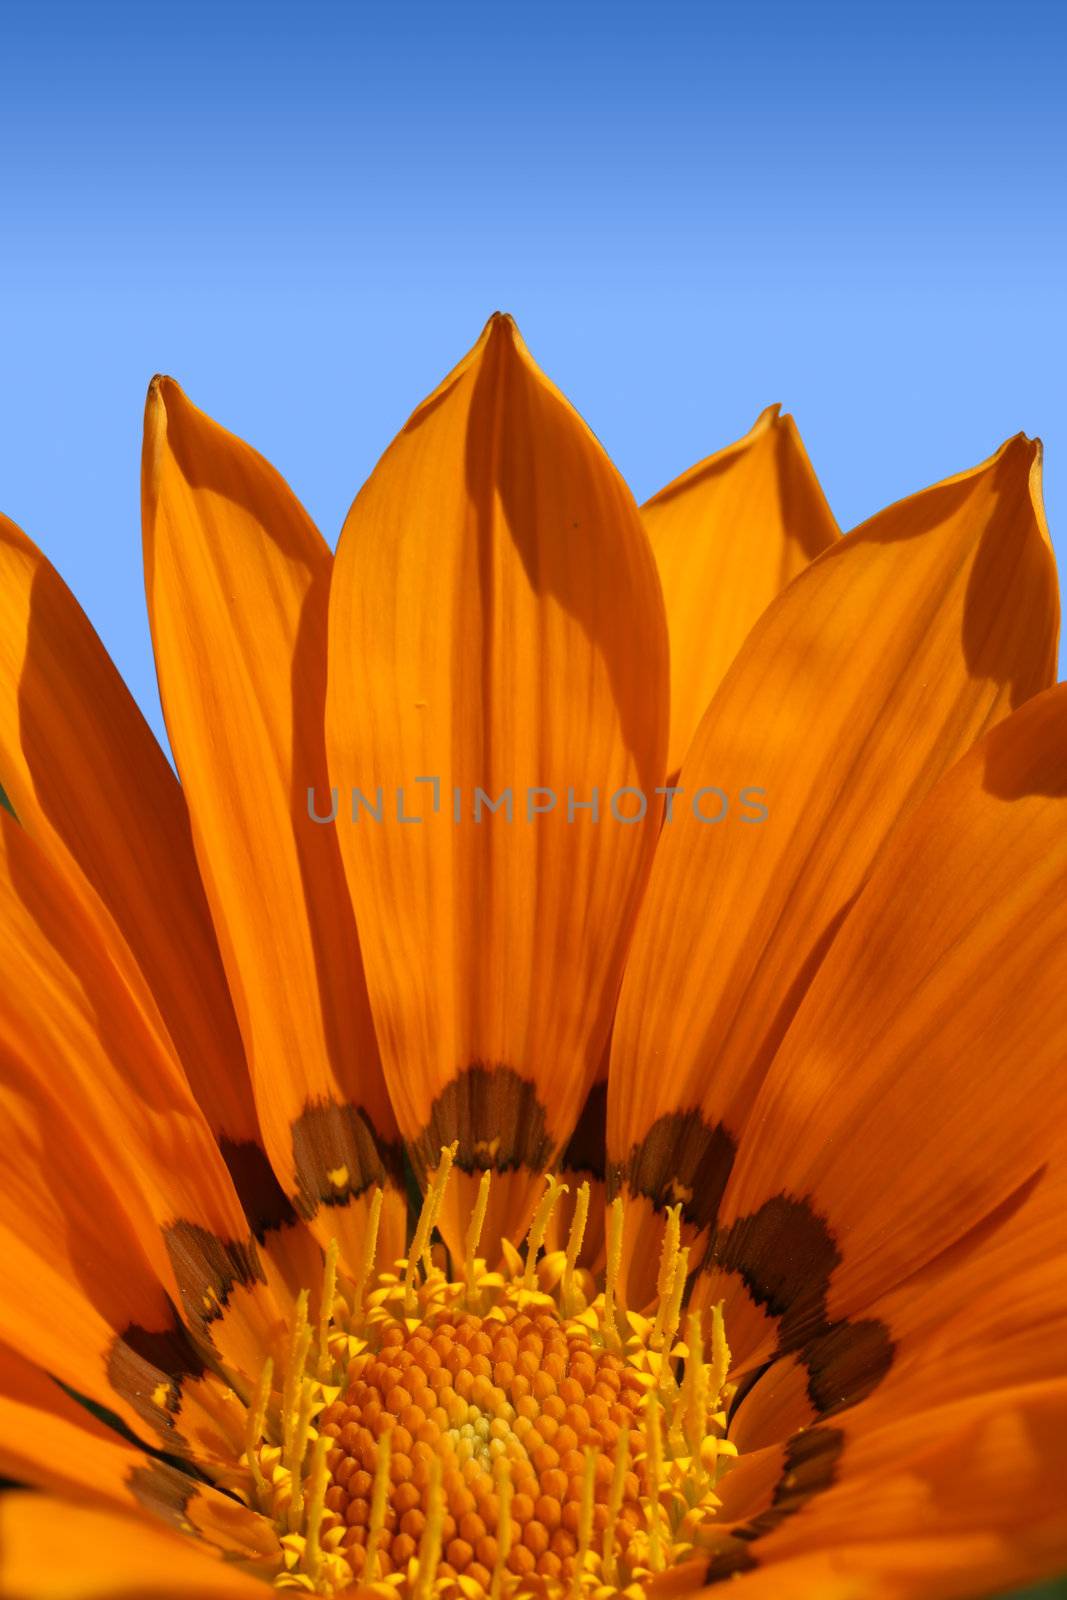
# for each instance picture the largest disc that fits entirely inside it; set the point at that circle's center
(377, 1507)
(612, 1269)
(431, 1205)
(299, 1344)
(474, 1232)
(585, 1515)
(668, 1271)
(574, 1245)
(695, 1385)
(673, 1313)
(437, 1193)
(320, 1482)
(430, 1542)
(654, 1436)
(503, 1527)
(297, 1446)
(720, 1350)
(257, 1417)
(536, 1236)
(618, 1487)
(329, 1290)
(370, 1250)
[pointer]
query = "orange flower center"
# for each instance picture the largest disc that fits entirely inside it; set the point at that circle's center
(522, 1393)
(517, 1431)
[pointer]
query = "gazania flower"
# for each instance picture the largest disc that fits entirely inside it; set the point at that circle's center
(718, 1016)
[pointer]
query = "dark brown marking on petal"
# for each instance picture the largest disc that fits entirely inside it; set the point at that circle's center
(731, 1560)
(207, 1267)
(680, 1159)
(587, 1148)
(846, 1363)
(785, 1254)
(147, 1368)
(497, 1119)
(338, 1156)
(265, 1202)
(163, 1490)
(810, 1466)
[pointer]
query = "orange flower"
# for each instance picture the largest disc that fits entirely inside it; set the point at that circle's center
(759, 965)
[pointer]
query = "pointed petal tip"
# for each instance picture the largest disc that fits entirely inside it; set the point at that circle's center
(1019, 444)
(502, 330)
(1026, 455)
(768, 418)
(162, 392)
(501, 322)
(160, 387)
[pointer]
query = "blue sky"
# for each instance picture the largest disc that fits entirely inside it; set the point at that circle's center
(305, 213)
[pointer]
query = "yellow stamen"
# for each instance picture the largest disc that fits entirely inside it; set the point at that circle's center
(585, 1515)
(668, 1271)
(431, 1205)
(618, 1485)
(377, 1506)
(299, 1344)
(294, 1456)
(654, 1435)
(474, 1232)
(536, 1236)
(695, 1385)
(370, 1250)
(329, 1291)
(430, 1543)
(257, 1417)
(320, 1482)
(673, 1314)
(574, 1245)
(612, 1270)
(720, 1350)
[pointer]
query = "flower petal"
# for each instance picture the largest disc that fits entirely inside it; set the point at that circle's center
(237, 580)
(49, 1441)
(992, 1308)
(76, 1272)
(85, 777)
(496, 625)
(899, 1115)
(866, 679)
(111, 1174)
(965, 1499)
(728, 536)
(53, 1550)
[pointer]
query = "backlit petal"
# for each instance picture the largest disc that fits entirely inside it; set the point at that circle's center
(728, 535)
(864, 681)
(52, 1550)
(237, 580)
(110, 1169)
(964, 1500)
(496, 625)
(86, 778)
(49, 1441)
(920, 1088)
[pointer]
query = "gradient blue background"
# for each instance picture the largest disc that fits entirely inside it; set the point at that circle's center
(305, 213)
